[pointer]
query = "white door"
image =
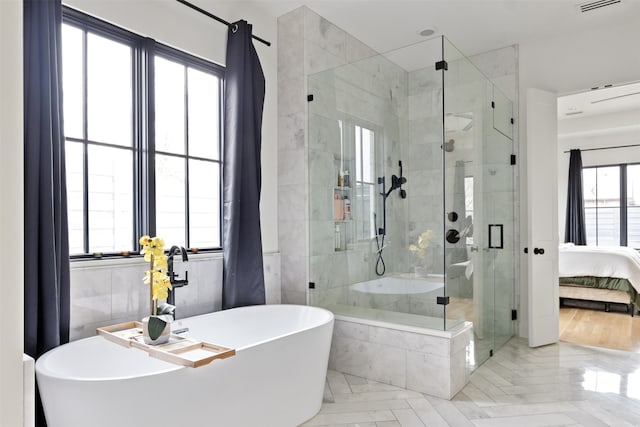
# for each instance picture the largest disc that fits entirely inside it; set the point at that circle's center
(542, 236)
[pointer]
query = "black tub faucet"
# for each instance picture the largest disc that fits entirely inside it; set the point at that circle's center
(176, 283)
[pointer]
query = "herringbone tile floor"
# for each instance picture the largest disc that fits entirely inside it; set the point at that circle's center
(557, 385)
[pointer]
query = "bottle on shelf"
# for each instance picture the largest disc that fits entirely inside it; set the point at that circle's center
(347, 208)
(340, 179)
(345, 179)
(338, 208)
(337, 246)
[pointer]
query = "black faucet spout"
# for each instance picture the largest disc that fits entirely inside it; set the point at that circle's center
(176, 283)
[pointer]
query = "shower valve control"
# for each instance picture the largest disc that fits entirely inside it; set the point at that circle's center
(453, 236)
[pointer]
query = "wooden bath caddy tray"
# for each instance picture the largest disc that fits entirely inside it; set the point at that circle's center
(183, 351)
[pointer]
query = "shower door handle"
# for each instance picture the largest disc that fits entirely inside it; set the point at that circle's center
(496, 236)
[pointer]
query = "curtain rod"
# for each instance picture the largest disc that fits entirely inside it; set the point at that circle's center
(222, 21)
(606, 148)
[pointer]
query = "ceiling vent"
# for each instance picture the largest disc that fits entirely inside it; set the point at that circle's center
(593, 5)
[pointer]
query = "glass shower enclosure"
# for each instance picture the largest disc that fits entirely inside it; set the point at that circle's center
(411, 193)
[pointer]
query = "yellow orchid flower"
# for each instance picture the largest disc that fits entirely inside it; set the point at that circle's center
(423, 243)
(156, 277)
(161, 288)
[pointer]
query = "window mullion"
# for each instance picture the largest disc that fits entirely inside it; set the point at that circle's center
(221, 119)
(85, 148)
(186, 157)
(148, 143)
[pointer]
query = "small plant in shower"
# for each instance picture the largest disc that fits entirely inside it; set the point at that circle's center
(159, 285)
(421, 253)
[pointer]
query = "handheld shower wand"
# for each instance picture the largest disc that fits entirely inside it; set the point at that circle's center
(396, 183)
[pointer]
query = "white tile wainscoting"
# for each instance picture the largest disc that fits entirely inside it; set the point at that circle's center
(106, 292)
(437, 363)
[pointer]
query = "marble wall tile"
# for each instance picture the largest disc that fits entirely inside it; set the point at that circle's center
(291, 170)
(129, 295)
(292, 200)
(429, 374)
(291, 132)
(318, 59)
(90, 296)
(102, 296)
(292, 238)
(291, 25)
(272, 278)
(352, 330)
(293, 297)
(411, 341)
(319, 31)
(370, 360)
(357, 50)
(294, 272)
(210, 285)
(291, 96)
(322, 237)
(321, 202)
(290, 47)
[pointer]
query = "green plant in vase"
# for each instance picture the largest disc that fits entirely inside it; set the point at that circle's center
(161, 313)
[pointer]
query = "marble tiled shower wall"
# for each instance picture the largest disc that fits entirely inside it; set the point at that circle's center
(307, 44)
(107, 292)
(369, 93)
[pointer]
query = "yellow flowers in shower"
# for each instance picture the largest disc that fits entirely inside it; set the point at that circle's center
(156, 276)
(423, 243)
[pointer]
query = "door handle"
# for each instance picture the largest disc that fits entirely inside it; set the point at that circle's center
(526, 250)
(538, 251)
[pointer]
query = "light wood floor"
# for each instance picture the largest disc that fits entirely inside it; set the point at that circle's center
(598, 328)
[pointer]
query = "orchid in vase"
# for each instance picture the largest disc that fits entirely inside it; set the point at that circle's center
(159, 286)
(420, 250)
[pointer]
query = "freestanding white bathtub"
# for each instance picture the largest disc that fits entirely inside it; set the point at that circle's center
(276, 378)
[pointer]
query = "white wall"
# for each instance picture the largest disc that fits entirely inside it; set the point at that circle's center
(11, 214)
(176, 25)
(563, 65)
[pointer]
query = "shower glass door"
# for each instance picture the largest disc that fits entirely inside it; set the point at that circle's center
(499, 190)
(478, 204)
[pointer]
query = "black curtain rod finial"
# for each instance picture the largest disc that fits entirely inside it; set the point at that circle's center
(212, 16)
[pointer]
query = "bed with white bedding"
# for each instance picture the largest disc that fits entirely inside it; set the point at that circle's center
(601, 274)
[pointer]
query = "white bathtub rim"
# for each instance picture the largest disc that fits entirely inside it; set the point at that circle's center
(171, 367)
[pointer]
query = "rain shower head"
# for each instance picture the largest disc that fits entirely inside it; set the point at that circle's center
(449, 145)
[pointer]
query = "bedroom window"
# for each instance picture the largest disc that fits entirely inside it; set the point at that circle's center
(612, 205)
(142, 125)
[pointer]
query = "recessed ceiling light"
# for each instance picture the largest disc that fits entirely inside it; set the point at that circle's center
(429, 31)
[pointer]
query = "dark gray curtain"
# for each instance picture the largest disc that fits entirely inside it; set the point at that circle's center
(46, 245)
(244, 100)
(575, 230)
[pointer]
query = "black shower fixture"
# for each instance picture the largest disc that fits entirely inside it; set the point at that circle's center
(396, 183)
